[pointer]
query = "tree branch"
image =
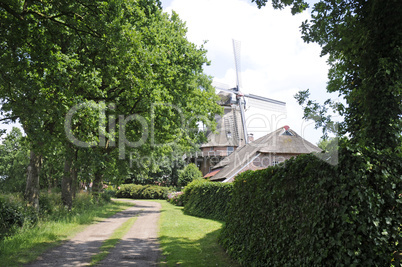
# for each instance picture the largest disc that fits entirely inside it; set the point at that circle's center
(13, 118)
(11, 11)
(53, 18)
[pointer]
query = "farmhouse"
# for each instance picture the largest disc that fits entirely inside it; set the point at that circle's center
(268, 150)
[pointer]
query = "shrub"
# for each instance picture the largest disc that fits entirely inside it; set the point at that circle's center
(142, 192)
(14, 214)
(154, 192)
(207, 199)
(175, 198)
(309, 213)
(48, 203)
(110, 191)
(189, 174)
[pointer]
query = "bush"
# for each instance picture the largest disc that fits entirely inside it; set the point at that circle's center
(14, 214)
(142, 192)
(175, 198)
(110, 191)
(309, 213)
(48, 203)
(207, 199)
(189, 174)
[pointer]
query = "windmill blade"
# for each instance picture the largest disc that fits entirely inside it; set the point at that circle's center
(232, 90)
(266, 103)
(265, 99)
(223, 87)
(243, 121)
(236, 51)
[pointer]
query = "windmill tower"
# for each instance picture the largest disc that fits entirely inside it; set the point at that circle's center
(231, 132)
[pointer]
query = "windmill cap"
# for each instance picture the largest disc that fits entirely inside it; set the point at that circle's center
(286, 127)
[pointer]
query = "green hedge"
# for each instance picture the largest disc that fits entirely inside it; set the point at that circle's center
(142, 191)
(309, 213)
(207, 199)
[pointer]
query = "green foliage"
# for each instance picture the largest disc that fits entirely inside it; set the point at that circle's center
(309, 213)
(189, 174)
(142, 191)
(363, 41)
(175, 198)
(297, 6)
(111, 59)
(13, 214)
(13, 162)
(366, 72)
(207, 199)
(110, 191)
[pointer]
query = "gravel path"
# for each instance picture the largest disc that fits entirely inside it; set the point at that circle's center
(139, 247)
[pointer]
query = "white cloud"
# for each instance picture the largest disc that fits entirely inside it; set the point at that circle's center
(276, 63)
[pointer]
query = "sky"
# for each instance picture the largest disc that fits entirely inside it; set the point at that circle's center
(275, 62)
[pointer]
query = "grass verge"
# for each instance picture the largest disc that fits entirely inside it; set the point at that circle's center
(27, 244)
(190, 241)
(110, 243)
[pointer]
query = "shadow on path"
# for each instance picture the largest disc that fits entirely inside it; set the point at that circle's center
(139, 247)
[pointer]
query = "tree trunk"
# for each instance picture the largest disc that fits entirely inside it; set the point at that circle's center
(49, 180)
(74, 181)
(68, 178)
(97, 183)
(66, 183)
(32, 188)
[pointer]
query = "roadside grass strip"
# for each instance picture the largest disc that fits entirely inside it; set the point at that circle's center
(28, 243)
(114, 239)
(190, 241)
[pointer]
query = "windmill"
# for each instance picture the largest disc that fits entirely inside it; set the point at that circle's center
(231, 130)
(240, 98)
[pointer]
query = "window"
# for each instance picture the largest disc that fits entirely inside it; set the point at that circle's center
(230, 150)
(287, 133)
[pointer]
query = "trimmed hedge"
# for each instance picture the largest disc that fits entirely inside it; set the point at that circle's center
(142, 191)
(207, 199)
(309, 213)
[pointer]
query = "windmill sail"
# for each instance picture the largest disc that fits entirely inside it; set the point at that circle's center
(236, 52)
(239, 99)
(266, 103)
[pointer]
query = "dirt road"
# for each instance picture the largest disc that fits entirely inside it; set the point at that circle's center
(139, 247)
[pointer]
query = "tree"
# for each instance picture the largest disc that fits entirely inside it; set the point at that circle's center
(13, 161)
(363, 40)
(128, 58)
(189, 174)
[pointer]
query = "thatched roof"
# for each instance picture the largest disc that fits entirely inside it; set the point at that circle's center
(281, 141)
(229, 130)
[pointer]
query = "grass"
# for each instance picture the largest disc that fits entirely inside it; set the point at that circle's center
(110, 243)
(190, 241)
(27, 244)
